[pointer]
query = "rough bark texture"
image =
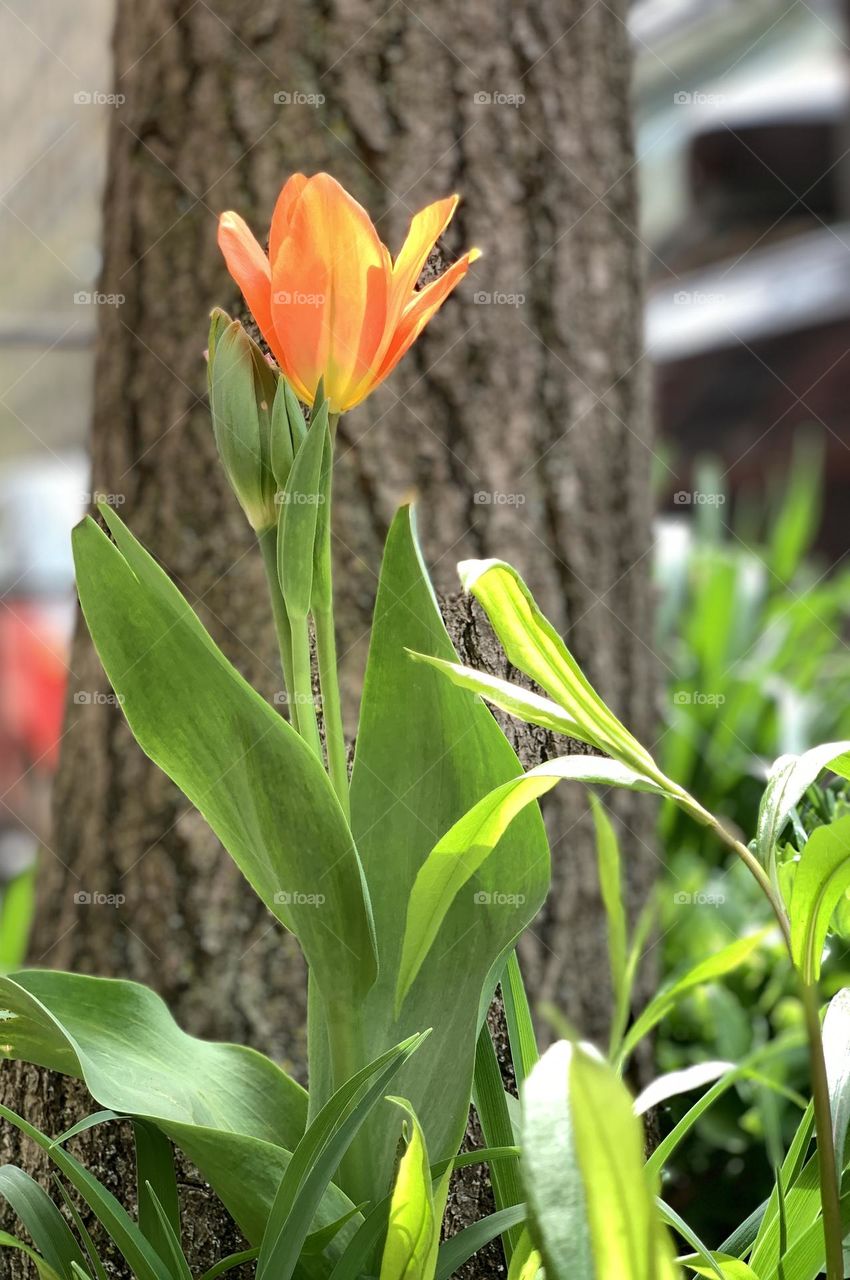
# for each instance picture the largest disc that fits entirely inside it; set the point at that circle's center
(520, 422)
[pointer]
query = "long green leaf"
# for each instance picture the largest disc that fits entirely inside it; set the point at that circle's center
(407, 788)
(252, 777)
(521, 1036)
(709, 970)
(465, 849)
(45, 1271)
(491, 1105)
(49, 1231)
(155, 1169)
(526, 705)
(611, 890)
(317, 1157)
(460, 1248)
(138, 1253)
(533, 645)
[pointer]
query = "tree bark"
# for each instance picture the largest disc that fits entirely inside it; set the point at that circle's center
(521, 423)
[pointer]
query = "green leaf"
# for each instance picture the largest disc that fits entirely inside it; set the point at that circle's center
(533, 645)
(82, 1231)
(491, 1104)
(416, 1211)
(745, 1069)
(317, 1157)
(48, 1230)
(521, 1035)
(45, 1271)
(674, 1083)
(460, 1248)
(822, 877)
(137, 1252)
(705, 1262)
(299, 512)
(709, 970)
(168, 1246)
(263, 792)
(230, 1263)
(590, 1202)
(407, 788)
(788, 781)
(610, 887)
(836, 1052)
(156, 1186)
(531, 707)
(526, 1264)
(233, 1111)
(466, 847)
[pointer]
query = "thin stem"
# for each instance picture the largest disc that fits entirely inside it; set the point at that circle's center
(331, 710)
(302, 685)
(830, 1193)
(701, 815)
(268, 548)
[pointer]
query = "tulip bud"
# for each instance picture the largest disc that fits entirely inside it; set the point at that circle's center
(242, 390)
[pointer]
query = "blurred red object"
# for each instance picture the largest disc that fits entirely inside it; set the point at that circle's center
(33, 677)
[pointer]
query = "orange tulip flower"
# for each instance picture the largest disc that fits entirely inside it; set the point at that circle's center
(328, 298)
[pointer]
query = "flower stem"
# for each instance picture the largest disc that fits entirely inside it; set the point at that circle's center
(331, 711)
(302, 684)
(268, 549)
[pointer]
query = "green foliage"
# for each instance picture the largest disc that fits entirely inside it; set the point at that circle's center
(590, 1200)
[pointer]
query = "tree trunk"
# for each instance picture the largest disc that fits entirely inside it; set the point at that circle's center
(519, 418)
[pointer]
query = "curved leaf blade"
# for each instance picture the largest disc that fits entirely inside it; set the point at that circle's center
(248, 772)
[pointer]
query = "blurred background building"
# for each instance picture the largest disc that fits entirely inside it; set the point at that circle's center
(742, 126)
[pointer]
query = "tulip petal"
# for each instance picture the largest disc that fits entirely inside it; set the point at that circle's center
(330, 282)
(289, 193)
(416, 315)
(249, 267)
(426, 227)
